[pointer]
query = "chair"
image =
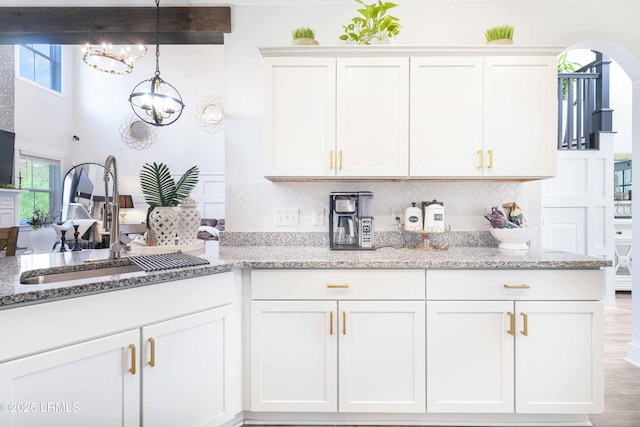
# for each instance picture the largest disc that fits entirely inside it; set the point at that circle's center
(9, 240)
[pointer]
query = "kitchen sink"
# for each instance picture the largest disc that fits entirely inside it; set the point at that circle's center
(91, 269)
(86, 271)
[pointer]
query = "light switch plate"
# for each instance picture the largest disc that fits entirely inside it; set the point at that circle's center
(318, 216)
(287, 217)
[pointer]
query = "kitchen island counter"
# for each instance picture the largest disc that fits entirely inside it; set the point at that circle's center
(227, 258)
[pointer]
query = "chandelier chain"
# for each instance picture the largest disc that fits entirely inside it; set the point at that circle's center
(157, 38)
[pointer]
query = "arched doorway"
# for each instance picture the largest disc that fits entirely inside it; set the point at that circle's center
(631, 65)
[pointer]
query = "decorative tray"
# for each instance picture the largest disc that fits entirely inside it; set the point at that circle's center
(138, 249)
(441, 243)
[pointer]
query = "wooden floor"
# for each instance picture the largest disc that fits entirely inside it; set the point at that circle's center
(622, 380)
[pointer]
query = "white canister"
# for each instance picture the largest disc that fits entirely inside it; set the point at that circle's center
(434, 216)
(413, 218)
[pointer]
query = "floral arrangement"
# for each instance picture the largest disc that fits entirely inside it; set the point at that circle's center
(42, 218)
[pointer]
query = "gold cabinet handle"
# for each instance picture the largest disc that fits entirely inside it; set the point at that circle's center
(337, 286)
(340, 159)
(480, 158)
(523, 286)
(344, 323)
(133, 359)
(525, 324)
(512, 323)
(490, 152)
(331, 323)
(152, 360)
(331, 159)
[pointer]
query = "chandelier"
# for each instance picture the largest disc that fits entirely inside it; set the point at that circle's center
(103, 58)
(155, 101)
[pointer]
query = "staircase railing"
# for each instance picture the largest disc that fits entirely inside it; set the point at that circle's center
(583, 105)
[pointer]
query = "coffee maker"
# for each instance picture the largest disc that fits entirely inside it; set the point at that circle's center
(351, 221)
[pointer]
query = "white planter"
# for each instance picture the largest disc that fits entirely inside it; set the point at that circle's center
(304, 42)
(500, 41)
(42, 239)
(163, 222)
(189, 222)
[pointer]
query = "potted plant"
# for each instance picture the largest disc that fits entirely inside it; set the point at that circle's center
(374, 25)
(499, 35)
(43, 237)
(162, 193)
(303, 36)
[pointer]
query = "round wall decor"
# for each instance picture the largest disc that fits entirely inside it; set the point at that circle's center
(210, 114)
(136, 133)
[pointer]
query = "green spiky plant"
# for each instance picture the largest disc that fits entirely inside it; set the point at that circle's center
(373, 24)
(501, 32)
(303, 33)
(159, 187)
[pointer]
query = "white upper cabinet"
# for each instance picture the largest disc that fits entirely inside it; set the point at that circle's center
(446, 116)
(520, 116)
(300, 116)
(373, 117)
(411, 112)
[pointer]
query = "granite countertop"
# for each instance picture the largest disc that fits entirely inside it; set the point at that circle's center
(227, 258)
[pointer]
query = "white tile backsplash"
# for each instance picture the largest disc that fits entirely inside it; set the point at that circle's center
(251, 206)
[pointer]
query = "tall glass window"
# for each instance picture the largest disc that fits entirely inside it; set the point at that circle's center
(41, 178)
(41, 63)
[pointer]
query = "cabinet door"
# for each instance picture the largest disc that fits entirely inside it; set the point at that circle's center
(446, 117)
(470, 356)
(382, 356)
(186, 366)
(300, 116)
(559, 366)
(373, 117)
(294, 356)
(520, 116)
(75, 386)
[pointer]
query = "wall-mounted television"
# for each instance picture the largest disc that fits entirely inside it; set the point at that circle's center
(7, 150)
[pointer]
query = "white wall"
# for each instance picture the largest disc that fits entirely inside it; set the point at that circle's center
(44, 118)
(424, 22)
(94, 105)
(102, 106)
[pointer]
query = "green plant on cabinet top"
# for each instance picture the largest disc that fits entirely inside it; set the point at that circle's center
(374, 24)
(503, 32)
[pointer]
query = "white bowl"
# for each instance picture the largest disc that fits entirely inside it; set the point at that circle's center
(513, 238)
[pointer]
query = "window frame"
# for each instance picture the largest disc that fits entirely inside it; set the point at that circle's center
(55, 66)
(55, 179)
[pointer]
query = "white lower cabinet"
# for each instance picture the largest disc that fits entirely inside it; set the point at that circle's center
(559, 357)
(515, 355)
(91, 383)
(333, 353)
(381, 356)
(178, 372)
(469, 357)
(185, 375)
(293, 356)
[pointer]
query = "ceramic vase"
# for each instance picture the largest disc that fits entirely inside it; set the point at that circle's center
(43, 239)
(189, 222)
(163, 222)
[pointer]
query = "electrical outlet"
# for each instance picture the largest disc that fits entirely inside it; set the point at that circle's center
(396, 213)
(287, 217)
(318, 216)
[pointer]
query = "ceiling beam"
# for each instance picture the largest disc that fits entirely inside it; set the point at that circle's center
(116, 25)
